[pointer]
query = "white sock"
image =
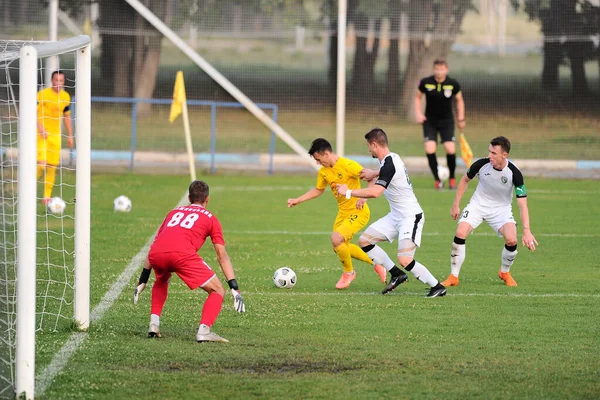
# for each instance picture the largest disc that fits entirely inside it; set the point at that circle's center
(457, 257)
(422, 273)
(508, 258)
(379, 256)
(203, 329)
(155, 319)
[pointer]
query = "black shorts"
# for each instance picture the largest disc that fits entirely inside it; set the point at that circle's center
(445, 127)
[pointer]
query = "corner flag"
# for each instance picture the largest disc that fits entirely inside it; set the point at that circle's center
(178, 97)
(465, 150)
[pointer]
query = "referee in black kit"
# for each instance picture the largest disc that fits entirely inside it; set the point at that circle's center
(440, 90)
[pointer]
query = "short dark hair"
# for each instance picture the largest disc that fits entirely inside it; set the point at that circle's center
(320, 145)
(378, 136)
(198, 191)
(501, 141)
(57, 72)
(440, 61)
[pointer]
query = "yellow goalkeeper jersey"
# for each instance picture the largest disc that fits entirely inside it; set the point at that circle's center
(344, 171)
(51, 106)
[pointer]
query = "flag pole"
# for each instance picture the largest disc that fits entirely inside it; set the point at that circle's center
(188, 141)
(179, 106)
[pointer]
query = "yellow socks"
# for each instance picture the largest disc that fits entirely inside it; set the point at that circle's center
(358, 254)
(49, 181)
(343, 253)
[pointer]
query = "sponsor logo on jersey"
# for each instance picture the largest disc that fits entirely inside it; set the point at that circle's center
(340, 175)
(504, 180)
(381, 182)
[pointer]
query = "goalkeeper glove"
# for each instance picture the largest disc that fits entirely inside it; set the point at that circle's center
(238, 301)
(141, 284)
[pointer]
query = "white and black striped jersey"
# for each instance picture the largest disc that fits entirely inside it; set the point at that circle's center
(495, 187)
(393, 176)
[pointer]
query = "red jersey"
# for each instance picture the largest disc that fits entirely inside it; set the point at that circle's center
(185, 230)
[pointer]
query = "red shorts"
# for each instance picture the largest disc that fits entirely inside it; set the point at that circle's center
(191, 268)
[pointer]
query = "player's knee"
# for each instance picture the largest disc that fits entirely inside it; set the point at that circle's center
(406, 262)
(337, 239)
(511, 245)
(364, 242)
(214, 286)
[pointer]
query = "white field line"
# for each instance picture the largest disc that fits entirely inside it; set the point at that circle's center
(315, 233)
(291, 292)
(61, 358)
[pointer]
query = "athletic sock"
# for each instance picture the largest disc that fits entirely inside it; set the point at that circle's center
(40, 171)
(457, 255)
(358, 254)
(160, 291)
(379, 256)
(395, 271)
(155, 319)
(211, 309)
(343, 253)
(49, 181)
(508, 257)
(421, 273)
(433, 164)
(451, 161)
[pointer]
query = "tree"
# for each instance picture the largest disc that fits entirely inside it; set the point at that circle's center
(568, 27)
(433, 26)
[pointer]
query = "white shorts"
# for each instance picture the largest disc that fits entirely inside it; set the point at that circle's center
(390, 228)
(474, 215)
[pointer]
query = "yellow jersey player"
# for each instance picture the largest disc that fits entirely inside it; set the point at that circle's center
(353, 214)
(53, 106)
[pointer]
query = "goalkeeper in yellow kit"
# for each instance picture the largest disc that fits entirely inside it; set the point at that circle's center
(353, 214)
(53, 106)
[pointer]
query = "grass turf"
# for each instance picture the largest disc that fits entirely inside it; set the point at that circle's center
(538, 340)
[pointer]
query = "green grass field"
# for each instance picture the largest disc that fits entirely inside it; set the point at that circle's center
(483, 340)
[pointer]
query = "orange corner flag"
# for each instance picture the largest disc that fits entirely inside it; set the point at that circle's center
(465, 150)
(178, 97)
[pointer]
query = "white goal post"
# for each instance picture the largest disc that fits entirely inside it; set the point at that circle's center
(30, 56)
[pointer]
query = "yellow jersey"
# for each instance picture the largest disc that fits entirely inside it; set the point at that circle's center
(344, 171)
(51, 106)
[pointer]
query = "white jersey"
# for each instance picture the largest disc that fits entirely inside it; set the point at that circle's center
(393, 176)
(495, 187)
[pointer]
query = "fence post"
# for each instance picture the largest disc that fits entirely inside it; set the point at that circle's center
(133, 133)
(213, 136)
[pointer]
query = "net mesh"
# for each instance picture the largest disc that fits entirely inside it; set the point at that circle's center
(528, 70)
(55, 232)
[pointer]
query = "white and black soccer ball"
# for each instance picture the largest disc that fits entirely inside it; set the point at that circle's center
(122, 204)
(56, 205)
(284, 278)
(443, 173)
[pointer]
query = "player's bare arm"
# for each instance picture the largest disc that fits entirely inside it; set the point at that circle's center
(69, 126)
(368, 174)
(418, 114)
(311, 194)
(227, 268)
(527, 239)
(143, 281)
(460, 111)
(371, 192)
(460, 191)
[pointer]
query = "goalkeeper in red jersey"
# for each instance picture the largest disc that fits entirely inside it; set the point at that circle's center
(175, 249)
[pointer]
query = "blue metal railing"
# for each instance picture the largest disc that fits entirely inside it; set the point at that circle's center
(213, 123)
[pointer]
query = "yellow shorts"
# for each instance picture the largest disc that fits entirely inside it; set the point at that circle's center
(347, 224)
(48, 150)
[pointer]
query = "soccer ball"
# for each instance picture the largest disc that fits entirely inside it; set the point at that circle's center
(122, 204)
(443, 173)
(284, 277)
(56, 205)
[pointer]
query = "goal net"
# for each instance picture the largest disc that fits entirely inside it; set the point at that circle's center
(44, 232)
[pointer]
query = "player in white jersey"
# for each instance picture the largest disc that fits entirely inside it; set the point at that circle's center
(492, 203)
(404, 221)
